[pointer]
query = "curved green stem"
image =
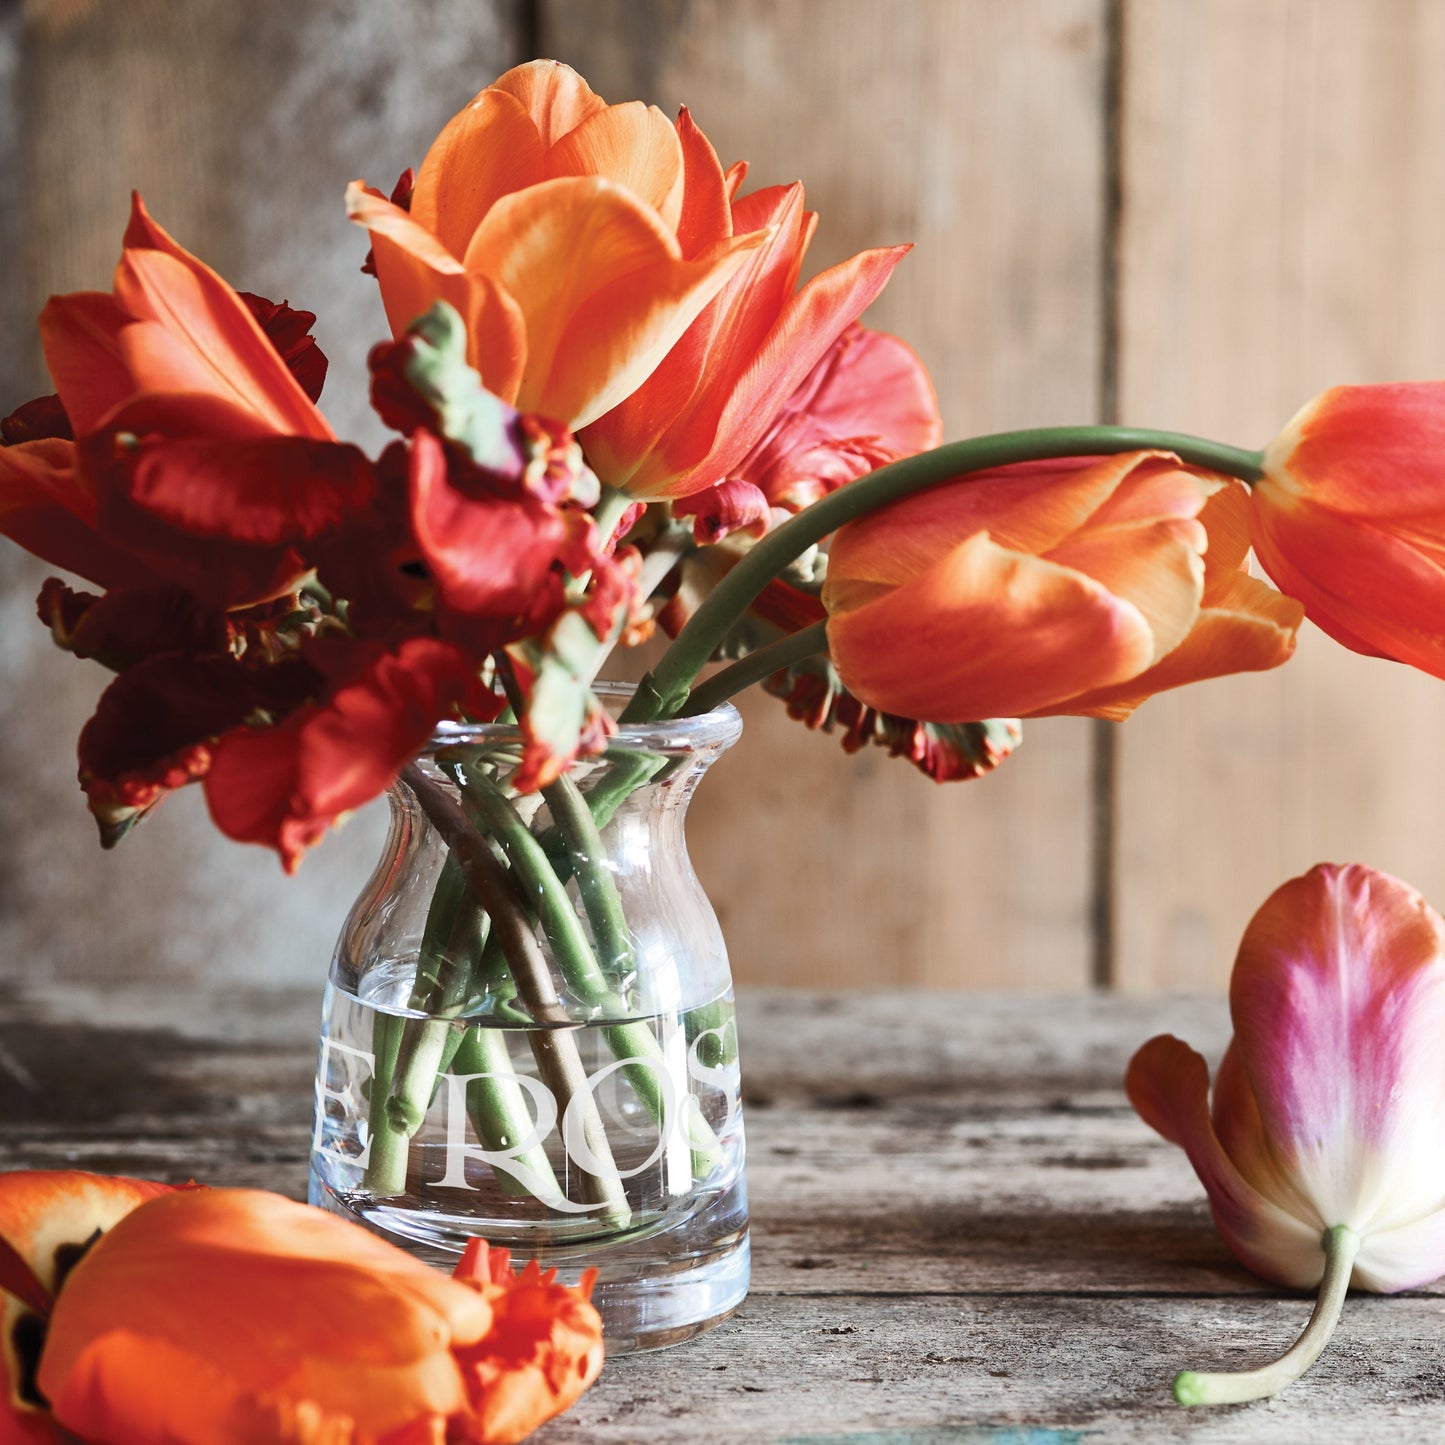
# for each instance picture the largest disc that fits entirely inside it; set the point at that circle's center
(631, 1042)
(553, 1047)
(1341, 1244)
(764, 662)
(664, 690)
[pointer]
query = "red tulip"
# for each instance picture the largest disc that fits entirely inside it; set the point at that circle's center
(1350, 518)
(1048, 587)
(201, 459)
(577, 240)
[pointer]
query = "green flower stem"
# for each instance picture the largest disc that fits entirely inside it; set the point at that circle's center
(499, 1112)
(387, 1150)
(1341, 1244)
(634, 1043)
(489, 810)
(414, 1047)
(424, 1040)
(664, 690)
(764, 662)
(552, 1044)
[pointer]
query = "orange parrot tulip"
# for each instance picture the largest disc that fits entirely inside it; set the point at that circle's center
(577, 240)
(234, 1317)
(46, 1218)
(1350, 518)
(1073, 586)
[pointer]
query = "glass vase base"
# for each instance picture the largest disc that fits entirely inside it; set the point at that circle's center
(654, 1288)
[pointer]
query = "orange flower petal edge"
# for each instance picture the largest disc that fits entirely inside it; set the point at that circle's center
(47, 1219)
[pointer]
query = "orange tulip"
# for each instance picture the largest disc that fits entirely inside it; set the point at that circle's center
(233, 1317)
(1350, 518)
(47, 1219)
(578, 240)
(1073, 586)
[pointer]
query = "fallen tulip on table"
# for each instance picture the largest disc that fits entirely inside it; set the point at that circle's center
(1320, 1150)
(134, 1314)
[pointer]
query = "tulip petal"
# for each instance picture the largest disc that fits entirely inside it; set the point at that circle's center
(602, 286)
(706, 216)
(1156, 566)
(668, 427)
(553, 94)
(1243, 626)
(809, 324)
(483, 153)
(1168, 1084)
(985, 632)
(1030, 507)
(869, 401)
(47, 508)
(158, 280)
(1369, 452)
(47, 1217)
(284, 786)
(1338, 1000)
(415, 270)
(81, 337)
(274, 1355)
(634, 145)
(1370, 589)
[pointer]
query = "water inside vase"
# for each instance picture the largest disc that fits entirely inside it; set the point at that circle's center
(570, 1145)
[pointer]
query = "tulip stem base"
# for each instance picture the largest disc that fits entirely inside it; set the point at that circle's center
(1191, 1387)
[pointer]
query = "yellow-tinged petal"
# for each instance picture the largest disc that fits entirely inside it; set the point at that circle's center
(602, 287)
(484, 152)
(1243, 626)
(415, 270)
(634, 145)
(986, 632)
(1156, 566)
(1029, 508)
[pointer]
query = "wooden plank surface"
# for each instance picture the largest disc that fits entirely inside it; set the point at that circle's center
(1284, 197)
(966, 1237)
(977, 131)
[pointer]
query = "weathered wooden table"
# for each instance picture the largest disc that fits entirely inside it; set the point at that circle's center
(961, 1232)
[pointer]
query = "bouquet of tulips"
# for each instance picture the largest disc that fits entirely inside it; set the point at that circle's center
(617, 411)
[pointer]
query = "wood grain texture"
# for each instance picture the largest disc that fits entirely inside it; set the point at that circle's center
(975, 130)
(241, 126)
(964, 1238)
(1284, 197)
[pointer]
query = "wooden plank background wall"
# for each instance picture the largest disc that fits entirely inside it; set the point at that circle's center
(1190, 213)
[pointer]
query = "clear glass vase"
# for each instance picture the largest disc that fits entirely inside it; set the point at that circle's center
(528, 1029)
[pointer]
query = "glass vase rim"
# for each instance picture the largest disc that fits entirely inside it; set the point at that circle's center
(718, 728)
